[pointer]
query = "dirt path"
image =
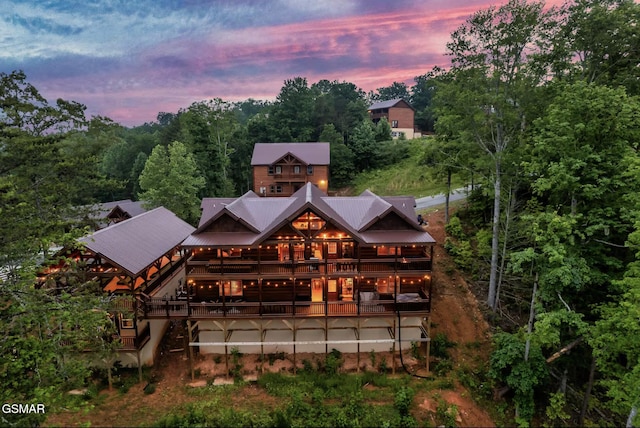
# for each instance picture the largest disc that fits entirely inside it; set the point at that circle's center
(455, 312)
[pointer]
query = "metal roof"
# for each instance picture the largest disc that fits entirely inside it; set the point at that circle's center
(133, 208)
(307, 153)
(354, 214)
(136, 243)
(388, 104)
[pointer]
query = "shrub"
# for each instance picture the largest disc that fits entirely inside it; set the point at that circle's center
(440, 345)
(454, 228)
(403, 400)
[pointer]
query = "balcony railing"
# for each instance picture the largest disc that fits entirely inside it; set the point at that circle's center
(136, 342)
(309, 267)
(160, 308)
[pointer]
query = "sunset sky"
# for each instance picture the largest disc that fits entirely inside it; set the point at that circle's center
(130, 59)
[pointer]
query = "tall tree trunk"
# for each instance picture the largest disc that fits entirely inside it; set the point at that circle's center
(503, 257)
(587, 393)
(446, 198)
(632, 415)
(532, 314)
(495, 239)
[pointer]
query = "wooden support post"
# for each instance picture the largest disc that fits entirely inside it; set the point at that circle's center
(428, 356)
(358, 347)
(139, 365)
(226, 350)
(189, 334)
(261, 347)
(393, 349)
(295, 367)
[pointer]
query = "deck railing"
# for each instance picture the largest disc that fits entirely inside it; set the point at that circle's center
(160, 308)
(309, 267)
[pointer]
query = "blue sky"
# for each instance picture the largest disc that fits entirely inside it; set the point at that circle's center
(129, 60)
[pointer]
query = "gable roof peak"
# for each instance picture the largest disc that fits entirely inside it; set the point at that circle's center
(308, 153)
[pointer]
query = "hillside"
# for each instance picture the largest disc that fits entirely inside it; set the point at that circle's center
(455, 316)
(408, 176)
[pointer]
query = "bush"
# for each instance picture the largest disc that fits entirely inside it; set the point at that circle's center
(454, 228)
(446, 414)
(403, 400)
(333, 362)
(440, 345)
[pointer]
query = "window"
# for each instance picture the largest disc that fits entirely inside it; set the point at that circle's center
(387, 250)
(231, 288)
(309, 169)
(278, 169)
(272, 189)
(270, 170)
(296, 169)
(263, 190)
(394, 123)
(332, 247)
(278, 189)
(384, 286)
(126, 323)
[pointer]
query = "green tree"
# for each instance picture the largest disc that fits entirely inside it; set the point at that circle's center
(208, 127)
(48, 165)
(339, 103)
(171, 179)
(615, 343)
(383, 130)
(363, 145)
(598, 43)
(422, 93)
(330, 134)
(394, 91)
(342, 168)
(291, 115)
(484, 99)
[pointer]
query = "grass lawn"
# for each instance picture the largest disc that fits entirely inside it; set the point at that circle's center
(407, 177)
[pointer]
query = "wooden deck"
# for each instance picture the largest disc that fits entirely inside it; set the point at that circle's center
(177, 309)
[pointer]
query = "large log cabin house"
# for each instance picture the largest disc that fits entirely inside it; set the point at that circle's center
(307, 273)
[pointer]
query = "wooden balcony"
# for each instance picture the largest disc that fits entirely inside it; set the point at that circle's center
(412, 302)
(301, 268)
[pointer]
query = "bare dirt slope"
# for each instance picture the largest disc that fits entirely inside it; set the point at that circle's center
(455, 312)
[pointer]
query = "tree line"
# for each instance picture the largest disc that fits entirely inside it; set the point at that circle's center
(56, 163)
(541, 106)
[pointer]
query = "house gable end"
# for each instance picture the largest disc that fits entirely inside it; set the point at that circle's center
(391, 221)
(226, 223)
